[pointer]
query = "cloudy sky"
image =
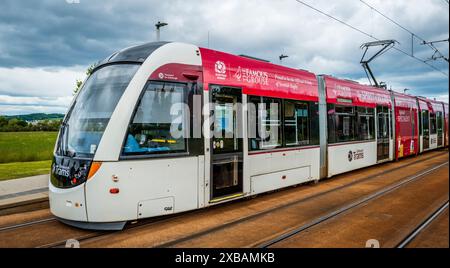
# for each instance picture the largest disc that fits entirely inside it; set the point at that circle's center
(45, 45)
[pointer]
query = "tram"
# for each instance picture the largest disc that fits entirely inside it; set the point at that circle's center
(168, 127)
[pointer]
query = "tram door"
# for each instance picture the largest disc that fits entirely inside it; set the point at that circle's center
(426, 129)
(383, 133)
(440, 128)
(227, 146)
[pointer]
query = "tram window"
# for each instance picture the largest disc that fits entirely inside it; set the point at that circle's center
(420, 124)
(264, 123)
(314, 136)
(296, 123)
(432, 123)
(366, 123)
(439, 121)
(383, 122)
(425, 123)
(227, 119)
(155, 129)
(341, 124)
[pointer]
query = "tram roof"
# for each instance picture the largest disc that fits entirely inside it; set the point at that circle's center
(137, 54)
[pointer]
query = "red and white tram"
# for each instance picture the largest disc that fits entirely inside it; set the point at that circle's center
(437, 124)
(432, 124)
(164, 128)
(357, 124)
(406, 126)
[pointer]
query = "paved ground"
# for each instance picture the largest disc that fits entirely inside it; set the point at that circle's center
(25, 189)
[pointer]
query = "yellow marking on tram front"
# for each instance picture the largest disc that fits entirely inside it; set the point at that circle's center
(164, 141)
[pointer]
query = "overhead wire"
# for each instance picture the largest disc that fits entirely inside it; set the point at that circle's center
(367, 34)
(405, 29)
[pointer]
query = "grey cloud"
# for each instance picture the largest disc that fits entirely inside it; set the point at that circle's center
(36, 34)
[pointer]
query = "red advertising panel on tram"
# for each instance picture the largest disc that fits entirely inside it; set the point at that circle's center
(406, 125)
(257, 77)
(352, 93)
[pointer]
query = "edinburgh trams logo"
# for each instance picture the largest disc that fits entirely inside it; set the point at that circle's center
(358, 154)
(221, 70)
(60, 171)
(350, 156)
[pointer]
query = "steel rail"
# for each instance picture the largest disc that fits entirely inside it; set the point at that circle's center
(423, 225)
(265, 212)
(350, 206)
(25, 224)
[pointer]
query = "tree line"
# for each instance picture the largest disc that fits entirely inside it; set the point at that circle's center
(15, 124)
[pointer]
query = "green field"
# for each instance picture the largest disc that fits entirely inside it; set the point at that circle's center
(25, 154)
(26, 146)
(24, 169)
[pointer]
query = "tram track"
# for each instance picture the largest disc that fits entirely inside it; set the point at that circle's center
(356, 204)
(265, 212)
(91, 237)
(103, 234)
(24, 206)
(423, 225)
(26, 224)
(297, 202)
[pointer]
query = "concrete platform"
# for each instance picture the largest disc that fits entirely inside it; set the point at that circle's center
(24, 190)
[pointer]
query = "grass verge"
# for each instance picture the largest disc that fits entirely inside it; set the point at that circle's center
(26, 146)
(24, 169)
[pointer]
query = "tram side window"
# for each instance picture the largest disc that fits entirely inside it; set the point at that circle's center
(155, 128)
(439, 122)
(296, 123)
(425, 123)
(366, 123)
(341, 123)
(433, 123)
(314, 138)
(383, 122)
(264, 123)
(420, 124)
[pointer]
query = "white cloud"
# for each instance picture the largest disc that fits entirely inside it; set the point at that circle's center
(29, 101)
(11, 105)
(15, 110)
(43, 82)
(260, 28)
(29, 90)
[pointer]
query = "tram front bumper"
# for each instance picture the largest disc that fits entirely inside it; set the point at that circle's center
(69, 204)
